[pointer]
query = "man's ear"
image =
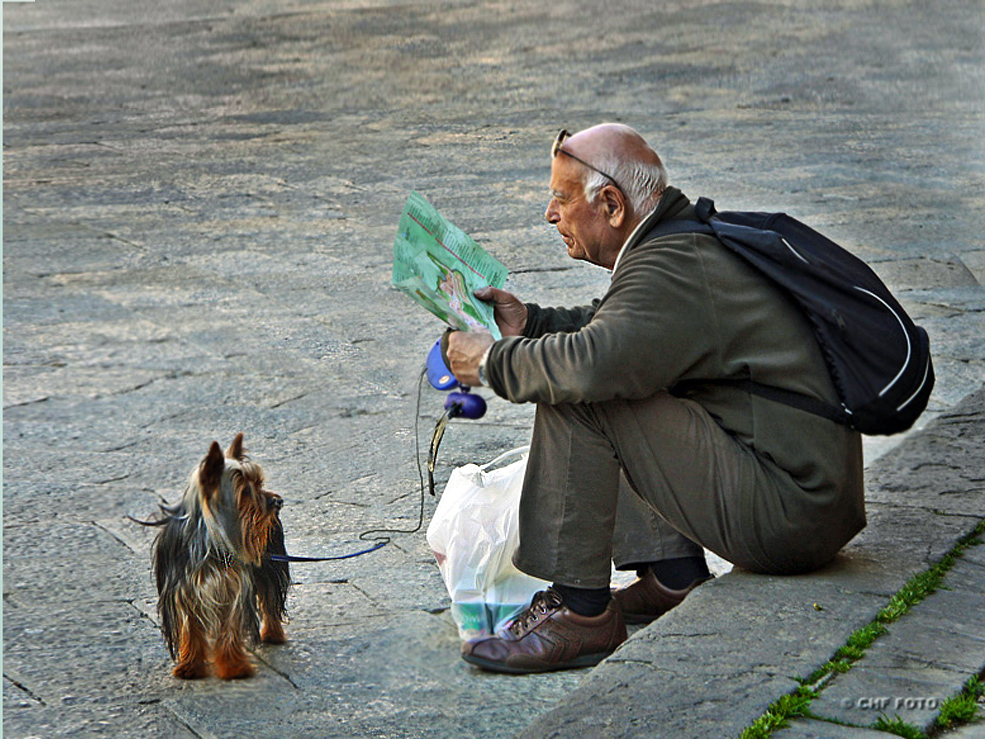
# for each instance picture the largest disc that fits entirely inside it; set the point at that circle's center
(613, 203)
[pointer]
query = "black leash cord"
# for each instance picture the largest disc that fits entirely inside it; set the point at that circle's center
(380, 542)
(366, 535)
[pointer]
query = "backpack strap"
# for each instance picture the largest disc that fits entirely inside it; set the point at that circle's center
(705, 210)
(679, 226)
(791, 398)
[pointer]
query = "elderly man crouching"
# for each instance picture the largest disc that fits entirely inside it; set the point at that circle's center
(640, 455)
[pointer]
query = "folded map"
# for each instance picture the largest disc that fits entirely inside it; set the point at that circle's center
(440, 266)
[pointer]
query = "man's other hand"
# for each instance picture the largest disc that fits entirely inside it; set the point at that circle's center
(465, 350)
(509, 310)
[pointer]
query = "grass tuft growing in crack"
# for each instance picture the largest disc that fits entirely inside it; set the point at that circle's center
(780, 712)
(913, 591)
(898, 727)
(961, 708)
(860, 640)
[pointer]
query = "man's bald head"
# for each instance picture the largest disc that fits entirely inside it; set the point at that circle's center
(612, 139)
(621, 152)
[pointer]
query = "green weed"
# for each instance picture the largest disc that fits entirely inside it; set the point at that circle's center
(961, 708)
(898, 727)
(780, 711)
(915, 590)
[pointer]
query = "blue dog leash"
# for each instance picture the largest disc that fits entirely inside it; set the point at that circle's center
(292, 558)
(381, 542)
(289, 557)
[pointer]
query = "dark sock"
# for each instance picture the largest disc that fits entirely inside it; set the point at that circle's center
(678, 574)
(584, 601)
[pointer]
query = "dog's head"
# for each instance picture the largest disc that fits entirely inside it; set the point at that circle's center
(227, 490)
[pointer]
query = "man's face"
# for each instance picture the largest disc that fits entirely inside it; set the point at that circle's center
(582, 225)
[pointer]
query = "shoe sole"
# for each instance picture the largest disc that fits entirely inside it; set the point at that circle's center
(587, 660)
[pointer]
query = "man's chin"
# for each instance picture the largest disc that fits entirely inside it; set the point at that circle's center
(576, 252)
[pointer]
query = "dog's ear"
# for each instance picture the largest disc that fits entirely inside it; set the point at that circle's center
(210, 474)
(235, 450)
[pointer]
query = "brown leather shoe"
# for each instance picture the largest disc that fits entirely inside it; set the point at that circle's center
(548, 636)
(648, 599)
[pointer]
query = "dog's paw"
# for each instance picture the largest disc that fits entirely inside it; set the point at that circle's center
(190, 670)
(233, 666)
(273, 633)
(235, 671)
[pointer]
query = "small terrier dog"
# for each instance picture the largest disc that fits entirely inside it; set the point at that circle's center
(215, 576)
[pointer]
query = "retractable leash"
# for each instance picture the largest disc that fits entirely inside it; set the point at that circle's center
(459, 404)
(292, 558)
(364, 536)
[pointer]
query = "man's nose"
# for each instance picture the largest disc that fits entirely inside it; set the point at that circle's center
(551, 213)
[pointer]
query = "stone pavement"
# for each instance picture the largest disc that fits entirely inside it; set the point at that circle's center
(199, 204)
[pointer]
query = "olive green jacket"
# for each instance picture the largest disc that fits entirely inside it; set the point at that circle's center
(683, 307)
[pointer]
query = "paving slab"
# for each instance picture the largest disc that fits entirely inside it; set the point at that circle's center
(924, 659)
(972, 730)
(912, 693)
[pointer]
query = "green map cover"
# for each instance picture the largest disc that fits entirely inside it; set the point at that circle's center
(439, 266)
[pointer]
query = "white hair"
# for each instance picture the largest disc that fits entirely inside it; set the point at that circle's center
(641, 182)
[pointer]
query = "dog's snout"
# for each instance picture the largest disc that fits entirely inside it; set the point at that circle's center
(275, 501)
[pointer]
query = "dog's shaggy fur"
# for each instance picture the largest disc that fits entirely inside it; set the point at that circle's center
(215, 577)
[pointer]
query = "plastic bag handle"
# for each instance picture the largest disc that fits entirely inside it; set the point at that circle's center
(519, 451)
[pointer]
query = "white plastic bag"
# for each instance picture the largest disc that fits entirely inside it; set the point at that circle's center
(474, 533)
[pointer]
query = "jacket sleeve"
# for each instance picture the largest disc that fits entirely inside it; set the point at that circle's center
(654, 324)
(542, 321)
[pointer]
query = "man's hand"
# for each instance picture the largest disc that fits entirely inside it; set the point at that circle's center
(465, 350)
(508, 309)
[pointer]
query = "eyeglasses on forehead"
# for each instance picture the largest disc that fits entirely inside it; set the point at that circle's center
(558, 149)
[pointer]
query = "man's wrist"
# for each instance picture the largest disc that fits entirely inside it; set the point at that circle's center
(482, 368)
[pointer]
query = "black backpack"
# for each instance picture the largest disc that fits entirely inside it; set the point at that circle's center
(879, 360)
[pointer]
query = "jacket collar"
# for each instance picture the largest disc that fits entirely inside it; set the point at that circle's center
(672, 204)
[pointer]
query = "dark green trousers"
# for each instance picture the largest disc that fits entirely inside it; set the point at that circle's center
(644, 480)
